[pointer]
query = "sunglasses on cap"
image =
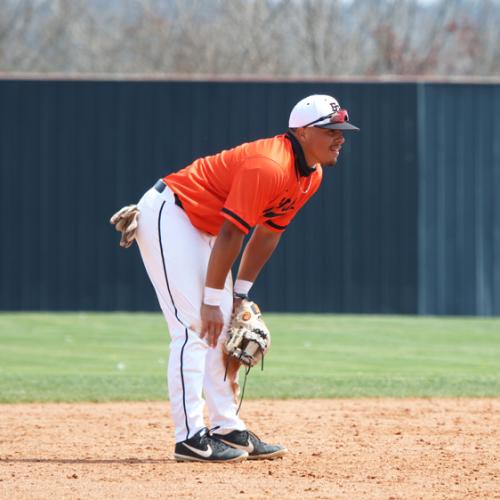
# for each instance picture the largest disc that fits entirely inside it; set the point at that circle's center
(339, 116)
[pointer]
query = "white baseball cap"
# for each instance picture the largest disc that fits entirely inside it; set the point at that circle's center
(321, 111)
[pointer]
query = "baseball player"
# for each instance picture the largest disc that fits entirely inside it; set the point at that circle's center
(191, 227)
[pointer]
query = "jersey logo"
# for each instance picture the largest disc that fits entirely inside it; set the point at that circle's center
(284, 206)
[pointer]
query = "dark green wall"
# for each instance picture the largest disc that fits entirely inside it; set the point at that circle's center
(459, 199)
(408, 222)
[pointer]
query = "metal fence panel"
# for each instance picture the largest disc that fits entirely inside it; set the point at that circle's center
(459, 217)
(385, 233)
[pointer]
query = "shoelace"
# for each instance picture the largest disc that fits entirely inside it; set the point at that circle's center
(252, 434)
(247, 371)
(207, 439)
(216, 443)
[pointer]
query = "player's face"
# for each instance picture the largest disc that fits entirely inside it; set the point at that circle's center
(322, 145)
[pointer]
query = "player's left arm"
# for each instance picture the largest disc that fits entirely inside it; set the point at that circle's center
(257, 252)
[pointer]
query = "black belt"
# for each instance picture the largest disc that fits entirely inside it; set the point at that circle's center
(160, 187)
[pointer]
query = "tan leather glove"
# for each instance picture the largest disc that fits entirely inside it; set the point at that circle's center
(126, 222)
(248, 339)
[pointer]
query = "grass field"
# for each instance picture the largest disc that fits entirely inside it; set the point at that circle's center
(119, 356)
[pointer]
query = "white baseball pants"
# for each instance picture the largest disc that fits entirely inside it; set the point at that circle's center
(176, 256)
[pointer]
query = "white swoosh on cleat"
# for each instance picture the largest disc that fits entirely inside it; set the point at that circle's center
(203, 453)
(248, 447)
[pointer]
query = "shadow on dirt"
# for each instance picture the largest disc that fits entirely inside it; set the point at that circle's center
(122, 461)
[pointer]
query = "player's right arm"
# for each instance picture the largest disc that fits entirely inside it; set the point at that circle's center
(226, 248)
(253, 186)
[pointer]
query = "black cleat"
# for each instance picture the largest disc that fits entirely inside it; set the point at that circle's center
(203, 447)
(249, 442)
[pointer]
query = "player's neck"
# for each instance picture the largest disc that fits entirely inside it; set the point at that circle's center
(303, 165)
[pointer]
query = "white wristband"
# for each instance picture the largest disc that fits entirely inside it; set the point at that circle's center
(242, 286)
(212, 296)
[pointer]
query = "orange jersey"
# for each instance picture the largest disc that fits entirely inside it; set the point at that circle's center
(254, 183)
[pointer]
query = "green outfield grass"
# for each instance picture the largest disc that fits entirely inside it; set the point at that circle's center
(99, 357)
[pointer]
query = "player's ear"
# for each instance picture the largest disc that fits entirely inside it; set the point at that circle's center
(301, 133)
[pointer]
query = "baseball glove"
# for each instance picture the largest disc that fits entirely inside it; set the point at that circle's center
(125, 221)
(248, 340)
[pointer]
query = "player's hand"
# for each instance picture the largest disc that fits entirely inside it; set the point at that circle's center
(212, 323)
(236, 303)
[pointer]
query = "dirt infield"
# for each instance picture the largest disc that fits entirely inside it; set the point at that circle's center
(371, 448)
